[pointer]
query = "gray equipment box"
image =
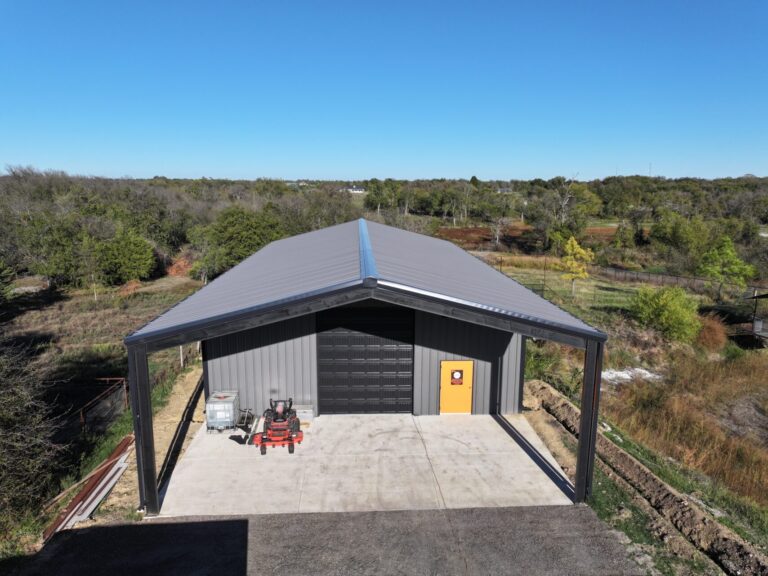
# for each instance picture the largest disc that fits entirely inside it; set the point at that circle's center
(222, 411)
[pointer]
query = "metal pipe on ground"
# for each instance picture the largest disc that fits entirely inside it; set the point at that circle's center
(93, 484)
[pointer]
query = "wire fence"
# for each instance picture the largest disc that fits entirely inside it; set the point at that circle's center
(542, 275)
(112, 396)
(692, 283)
(99, 413)
(583, 294)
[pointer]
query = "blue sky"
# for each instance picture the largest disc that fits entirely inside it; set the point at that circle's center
(353, 90)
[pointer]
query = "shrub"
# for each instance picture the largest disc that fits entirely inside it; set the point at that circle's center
(713, 335)
(542, 361)
(669, 310)
(733, 352)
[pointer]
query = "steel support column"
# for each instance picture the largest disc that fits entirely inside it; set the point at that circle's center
(521, 374)
(590, 402)
(141, 406)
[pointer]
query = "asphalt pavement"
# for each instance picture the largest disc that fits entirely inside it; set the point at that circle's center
(547, 540)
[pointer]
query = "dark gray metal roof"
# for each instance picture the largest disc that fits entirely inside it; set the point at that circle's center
(361, 254)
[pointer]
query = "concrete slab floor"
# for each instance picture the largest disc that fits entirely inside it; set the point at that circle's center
(371, 462)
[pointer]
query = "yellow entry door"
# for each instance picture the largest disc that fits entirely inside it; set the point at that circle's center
(456, 386)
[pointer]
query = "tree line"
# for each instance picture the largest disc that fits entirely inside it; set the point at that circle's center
(84, 231)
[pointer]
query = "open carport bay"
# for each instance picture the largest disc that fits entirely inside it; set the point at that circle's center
(357, 463)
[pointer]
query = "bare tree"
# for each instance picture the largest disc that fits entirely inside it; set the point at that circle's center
(27, 450)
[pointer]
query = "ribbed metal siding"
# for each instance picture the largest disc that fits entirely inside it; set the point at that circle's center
(275, 361)
(512, 367)
(496, 362)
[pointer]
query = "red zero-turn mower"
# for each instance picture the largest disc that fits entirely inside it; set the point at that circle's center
(281, 427)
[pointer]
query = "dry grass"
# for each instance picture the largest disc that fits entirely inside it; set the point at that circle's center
(678, 418)
(521, 261)
(77, 320)
(74, 339)
(713, 335)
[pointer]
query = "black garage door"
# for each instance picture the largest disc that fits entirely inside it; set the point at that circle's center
(365, 359)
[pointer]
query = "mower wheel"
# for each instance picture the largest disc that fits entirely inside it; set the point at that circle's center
(263, 449)
(290, 448)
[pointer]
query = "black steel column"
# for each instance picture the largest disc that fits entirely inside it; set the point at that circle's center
(521, 374)
(141, 406)
(590, 402)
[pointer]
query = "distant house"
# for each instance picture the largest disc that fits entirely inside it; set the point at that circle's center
(356, 190)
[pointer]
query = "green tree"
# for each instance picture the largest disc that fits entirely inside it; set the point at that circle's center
(90, 254)
(574, 262)
(235, 234)
(681, 239)
(49, 247)
(722, 264)
(669, 310)
(561, 208)
(625, 237)
(126, 257)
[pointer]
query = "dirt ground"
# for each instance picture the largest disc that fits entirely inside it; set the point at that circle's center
(122, 502)
(550, 431)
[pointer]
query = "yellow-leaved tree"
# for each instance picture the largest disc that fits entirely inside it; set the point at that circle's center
(574, 262)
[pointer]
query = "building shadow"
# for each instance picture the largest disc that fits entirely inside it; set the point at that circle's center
(158, 548)
(552, 472)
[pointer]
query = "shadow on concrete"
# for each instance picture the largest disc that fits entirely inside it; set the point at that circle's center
(555, 475)
(157, 548)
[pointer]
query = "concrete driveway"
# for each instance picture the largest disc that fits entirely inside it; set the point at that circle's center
(359, 463)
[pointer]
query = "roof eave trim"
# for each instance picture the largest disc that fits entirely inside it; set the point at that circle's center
(161, 333)
(593, 334)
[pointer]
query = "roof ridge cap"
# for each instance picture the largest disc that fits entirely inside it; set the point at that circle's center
(369, 274)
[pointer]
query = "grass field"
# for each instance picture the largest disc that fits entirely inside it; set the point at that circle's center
(73, 338)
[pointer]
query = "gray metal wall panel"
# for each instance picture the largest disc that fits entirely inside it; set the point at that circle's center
(284, 356)
(267, 362)
(438, 338)
(512, 367)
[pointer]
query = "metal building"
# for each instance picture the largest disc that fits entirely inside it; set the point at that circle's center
(361, 317)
